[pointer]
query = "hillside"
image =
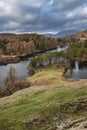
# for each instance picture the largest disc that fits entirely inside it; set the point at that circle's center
(19, 44)
(51, 103)
(77, 46)
(78, 37)
(82, 34)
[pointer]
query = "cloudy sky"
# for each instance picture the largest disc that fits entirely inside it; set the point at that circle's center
(42, 16)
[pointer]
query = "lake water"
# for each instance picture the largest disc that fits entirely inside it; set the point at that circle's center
(79, 70)
(21, 68)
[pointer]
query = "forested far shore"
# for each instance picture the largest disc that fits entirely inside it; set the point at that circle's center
(14, 47)
(13, 44)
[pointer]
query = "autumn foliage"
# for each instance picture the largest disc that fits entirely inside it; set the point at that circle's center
(17, 44)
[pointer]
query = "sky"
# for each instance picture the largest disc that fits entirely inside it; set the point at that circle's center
(42, 16)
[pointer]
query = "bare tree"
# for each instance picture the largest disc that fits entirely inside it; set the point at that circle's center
(11, 76)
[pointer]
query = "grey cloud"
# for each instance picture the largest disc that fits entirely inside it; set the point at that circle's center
(42, 15)
(66, 5)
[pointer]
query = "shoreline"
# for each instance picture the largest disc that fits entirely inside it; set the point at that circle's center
(53, 75)
(5, 59)
(8, 59)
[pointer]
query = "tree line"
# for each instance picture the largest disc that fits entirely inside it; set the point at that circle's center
(46, 59)
(13, 44)
(77, 50)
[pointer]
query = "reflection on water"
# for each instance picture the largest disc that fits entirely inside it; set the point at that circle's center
(20, 67)
(77, 65)
(79, 70)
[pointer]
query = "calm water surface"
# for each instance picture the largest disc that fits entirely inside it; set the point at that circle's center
(21, 68)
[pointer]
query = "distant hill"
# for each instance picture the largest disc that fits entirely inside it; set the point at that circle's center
(66, 33)
(80, 36)
(63, 33)
(70, 36)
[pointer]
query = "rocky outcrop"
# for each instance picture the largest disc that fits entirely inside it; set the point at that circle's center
(79, 106)
(30, 121)
(72, 125)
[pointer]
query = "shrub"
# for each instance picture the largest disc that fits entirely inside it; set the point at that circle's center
(11, 88)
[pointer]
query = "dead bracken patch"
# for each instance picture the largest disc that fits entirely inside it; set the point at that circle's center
(42, 82)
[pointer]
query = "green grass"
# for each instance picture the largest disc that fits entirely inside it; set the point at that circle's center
(48, 73)
(30, 102)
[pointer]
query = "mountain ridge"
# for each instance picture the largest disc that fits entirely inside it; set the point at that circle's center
(63, 33)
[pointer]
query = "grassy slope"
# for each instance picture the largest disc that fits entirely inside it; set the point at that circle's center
(31, 102)
(50, 75)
